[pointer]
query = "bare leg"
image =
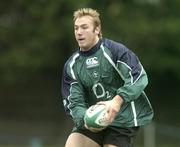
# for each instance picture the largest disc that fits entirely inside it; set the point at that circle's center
(109, 145)
(79, 140)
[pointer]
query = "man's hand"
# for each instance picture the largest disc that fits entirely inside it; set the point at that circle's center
(113, 106)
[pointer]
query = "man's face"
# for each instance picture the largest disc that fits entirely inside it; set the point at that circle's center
(85, 33)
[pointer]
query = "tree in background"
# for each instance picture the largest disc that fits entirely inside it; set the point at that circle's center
(36, 37)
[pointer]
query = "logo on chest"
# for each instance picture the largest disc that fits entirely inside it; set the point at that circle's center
(92, 62)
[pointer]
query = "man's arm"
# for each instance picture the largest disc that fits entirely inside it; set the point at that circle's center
(133, 74)
(73, 98)
(129, 68)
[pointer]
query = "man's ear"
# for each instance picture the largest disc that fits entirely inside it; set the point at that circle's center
(97, 30)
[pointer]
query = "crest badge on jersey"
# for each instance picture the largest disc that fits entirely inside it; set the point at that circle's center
(95, 74)
(92, 62)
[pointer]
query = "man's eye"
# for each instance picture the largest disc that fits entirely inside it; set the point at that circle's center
(84, 27)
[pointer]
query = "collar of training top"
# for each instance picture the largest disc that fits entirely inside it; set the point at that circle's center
(92, 50)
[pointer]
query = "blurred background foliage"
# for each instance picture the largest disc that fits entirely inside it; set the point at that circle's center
(36, 38)
(38, 35)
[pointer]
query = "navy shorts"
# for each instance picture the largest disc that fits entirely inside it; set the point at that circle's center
(120, 137)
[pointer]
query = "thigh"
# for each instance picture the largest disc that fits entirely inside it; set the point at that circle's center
(120, 137)
(80, 140)
(96, 137)
(109, 145)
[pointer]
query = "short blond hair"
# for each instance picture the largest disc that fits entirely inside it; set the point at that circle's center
(89, 12)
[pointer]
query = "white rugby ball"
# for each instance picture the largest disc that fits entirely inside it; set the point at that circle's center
(95, 117)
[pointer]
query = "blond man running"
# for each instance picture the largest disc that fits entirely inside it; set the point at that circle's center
(107, 72)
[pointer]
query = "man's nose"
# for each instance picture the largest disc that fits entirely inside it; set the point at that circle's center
(79, 31)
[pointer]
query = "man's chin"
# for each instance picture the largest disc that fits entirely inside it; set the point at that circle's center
(82, 46)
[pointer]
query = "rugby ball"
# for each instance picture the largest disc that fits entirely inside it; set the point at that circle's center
(95, 117)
